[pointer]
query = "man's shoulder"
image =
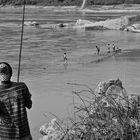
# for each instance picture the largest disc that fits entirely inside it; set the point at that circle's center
(13, 88)
(18, 85)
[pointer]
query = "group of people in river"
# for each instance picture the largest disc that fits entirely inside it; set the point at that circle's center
(114, 49)
(98, 50)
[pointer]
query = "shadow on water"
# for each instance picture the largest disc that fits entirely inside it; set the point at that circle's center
(65, 63)
(130, 55)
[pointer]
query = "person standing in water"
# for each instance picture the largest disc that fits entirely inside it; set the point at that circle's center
(65, 61)
(98, 50)
(108, 48)
(14, 99)
(114, 48)
(65, 57)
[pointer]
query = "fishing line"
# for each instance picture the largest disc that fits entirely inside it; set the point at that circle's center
(23, 17)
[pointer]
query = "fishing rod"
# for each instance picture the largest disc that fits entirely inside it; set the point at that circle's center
(21, 42)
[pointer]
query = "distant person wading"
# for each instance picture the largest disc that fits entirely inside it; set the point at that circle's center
(14, 99)
(108, 48)
(98, 50)
(65, 57)
(114, 48)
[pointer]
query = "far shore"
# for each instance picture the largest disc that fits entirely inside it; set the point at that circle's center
(133, 8)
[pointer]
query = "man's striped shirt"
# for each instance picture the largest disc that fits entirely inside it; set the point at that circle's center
(14, 99)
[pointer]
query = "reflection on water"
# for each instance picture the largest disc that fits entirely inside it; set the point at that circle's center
(65, 65)
(42, 64)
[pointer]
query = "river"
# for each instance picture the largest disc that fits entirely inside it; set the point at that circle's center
(42, 66)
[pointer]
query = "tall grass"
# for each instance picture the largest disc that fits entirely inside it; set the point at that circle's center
(106, 113)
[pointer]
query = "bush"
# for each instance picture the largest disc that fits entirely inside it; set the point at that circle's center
(106, 113)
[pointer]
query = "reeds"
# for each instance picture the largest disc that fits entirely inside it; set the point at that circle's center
(106, 113)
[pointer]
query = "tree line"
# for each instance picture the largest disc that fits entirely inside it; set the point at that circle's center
(67, 2)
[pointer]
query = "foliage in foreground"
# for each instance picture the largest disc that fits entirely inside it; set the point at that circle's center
(106, 113)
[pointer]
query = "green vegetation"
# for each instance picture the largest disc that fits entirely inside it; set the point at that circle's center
(106, 113)
(109, 113)
(67, 2)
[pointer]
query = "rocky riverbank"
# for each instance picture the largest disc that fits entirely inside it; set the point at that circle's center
(126, 23)
(121, 23)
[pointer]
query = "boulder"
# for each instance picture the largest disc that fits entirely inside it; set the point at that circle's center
(31, 23)
(51, 131)
(103, 87)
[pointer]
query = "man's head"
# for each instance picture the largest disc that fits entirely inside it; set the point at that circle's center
(5, 71)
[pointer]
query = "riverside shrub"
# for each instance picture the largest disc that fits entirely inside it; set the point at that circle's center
(106, 113)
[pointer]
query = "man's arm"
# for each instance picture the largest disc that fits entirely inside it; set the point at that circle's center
(28, 101)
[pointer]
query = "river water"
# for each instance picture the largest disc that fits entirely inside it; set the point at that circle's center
(42, 66)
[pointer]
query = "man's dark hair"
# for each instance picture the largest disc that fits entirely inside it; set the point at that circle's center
(10, 68)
